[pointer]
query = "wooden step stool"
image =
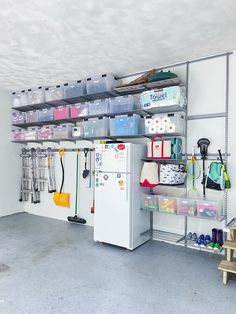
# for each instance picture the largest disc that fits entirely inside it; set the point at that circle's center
(229, 267)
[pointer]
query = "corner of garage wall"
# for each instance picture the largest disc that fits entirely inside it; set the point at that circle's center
(9, 161)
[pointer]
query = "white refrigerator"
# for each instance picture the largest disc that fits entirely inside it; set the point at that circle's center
(118, 217)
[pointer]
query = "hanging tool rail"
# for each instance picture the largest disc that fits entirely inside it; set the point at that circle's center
(55, 150)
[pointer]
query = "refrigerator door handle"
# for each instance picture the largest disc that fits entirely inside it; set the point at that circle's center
(126, 188)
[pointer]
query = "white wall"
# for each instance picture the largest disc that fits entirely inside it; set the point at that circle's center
(206, 95)
(9, 162)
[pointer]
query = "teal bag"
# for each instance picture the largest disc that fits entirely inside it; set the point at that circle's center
(215, 177)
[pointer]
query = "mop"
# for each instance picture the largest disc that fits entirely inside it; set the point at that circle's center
(76, 218)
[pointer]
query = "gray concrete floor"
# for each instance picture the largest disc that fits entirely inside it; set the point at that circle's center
(50, 266)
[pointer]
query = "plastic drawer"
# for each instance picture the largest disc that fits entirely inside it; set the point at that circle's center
(208, 209)
(165, 123)
(122, 104)
(75, 89)
(62, 131)
(36, 95)
(150, 202)
(99, 107)
(186, 206)
(167, 204)
(18, 135)
(168, 96)
(45, 115)
(31, 134)
(18, 117)
(100, 83)
(32, 116)
(62, 112)
(79, 110)
(19, 98)
(125, 125)
(54, 93)
(45, 133)
(96, 127)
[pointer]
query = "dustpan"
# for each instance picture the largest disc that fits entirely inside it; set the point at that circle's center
(62, 198)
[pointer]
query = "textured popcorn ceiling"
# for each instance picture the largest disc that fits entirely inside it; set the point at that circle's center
(53, 41)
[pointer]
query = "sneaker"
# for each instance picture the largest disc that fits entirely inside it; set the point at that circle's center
(217, 246)
(198, 242)
(189, 236)
(207, 238)
(204, 243)
(211, 245)
(194, 237)
(202, 237)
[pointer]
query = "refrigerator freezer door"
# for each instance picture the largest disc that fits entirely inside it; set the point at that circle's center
(112, 214)
(113, 157)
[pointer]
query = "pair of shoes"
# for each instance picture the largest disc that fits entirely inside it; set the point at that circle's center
(192, 236)
(217, 239)
(214, 246)
(203, 240)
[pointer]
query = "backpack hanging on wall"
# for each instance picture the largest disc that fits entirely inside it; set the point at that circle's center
(215, 178)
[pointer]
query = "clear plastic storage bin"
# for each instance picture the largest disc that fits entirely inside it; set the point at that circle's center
(186, 206)
(122, 104)
(126, 125)
(150, 202)
(167, 204)
(31, 134)
(19, 98)
(79, 110)
(165, 123)
(96, 127)
(36, 95)
(208, 209)
(98, 107)
(45, 133)
(18, 135)
(54, 93)
(32, 116)
(45, 115)
(75, 89)
(62, 112)
(168, 96)
(63, 131)
(100, 83)
(18, 117)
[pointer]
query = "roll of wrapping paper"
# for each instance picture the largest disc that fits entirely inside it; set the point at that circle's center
(170, 128)
(161, 129)
(165, 121)
(148, 122)
(156, 121)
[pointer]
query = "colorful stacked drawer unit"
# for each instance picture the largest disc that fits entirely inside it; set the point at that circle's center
(126, 125)
(75, 89)
(79, 110)
(168, 204)
(122, 104)
(54, 93)
(96, 127)
(18, 117)
(169, 96)
(100, 83)
(208, 209)
(19, 98)
(165, 123)
(63, 131)
(62, 112)
(187, 206)
(45, 115)
(150, 202)
(36, 95)
(98, 107)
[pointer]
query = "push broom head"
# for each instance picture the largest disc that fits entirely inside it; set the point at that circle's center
(76, 219)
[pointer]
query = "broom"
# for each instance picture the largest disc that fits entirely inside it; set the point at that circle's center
(226, 177)
(76, 218)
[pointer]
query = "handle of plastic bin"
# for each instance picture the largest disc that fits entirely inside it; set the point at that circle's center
(162, 146)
